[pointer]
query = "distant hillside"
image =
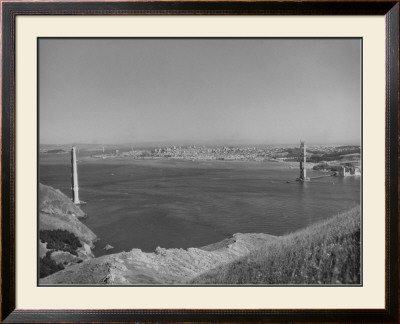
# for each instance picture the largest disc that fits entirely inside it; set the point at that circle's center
(55, 151)
(324, 253)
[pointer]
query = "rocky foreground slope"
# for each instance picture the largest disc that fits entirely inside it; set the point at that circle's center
(164, 266)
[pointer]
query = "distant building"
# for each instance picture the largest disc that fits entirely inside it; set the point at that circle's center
(345, 171)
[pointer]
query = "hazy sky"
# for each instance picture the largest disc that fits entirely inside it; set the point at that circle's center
(261, 91)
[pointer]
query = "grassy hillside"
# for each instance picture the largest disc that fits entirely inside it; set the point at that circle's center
(324, 253)
(57, 212)
(53, 201)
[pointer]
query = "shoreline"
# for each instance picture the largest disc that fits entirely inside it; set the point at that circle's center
(129, 160)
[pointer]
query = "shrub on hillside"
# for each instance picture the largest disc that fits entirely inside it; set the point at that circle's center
(60, 240)
(48, 265)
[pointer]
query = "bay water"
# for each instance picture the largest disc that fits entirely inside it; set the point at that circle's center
(179, 203)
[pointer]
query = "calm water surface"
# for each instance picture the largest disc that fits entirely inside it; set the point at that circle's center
(180, 204)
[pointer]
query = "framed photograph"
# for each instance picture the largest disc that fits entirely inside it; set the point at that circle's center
(200, 161)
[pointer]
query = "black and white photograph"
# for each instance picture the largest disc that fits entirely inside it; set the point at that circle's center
(199, 161)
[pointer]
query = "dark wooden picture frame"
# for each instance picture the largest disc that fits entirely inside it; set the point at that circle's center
(11, 10)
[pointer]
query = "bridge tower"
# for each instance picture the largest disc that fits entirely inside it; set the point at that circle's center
(303, 159)
(74, 177)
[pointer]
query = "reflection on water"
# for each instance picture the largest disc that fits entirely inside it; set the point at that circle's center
(145, 204)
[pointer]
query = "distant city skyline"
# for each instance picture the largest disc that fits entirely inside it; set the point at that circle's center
(221, 91)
